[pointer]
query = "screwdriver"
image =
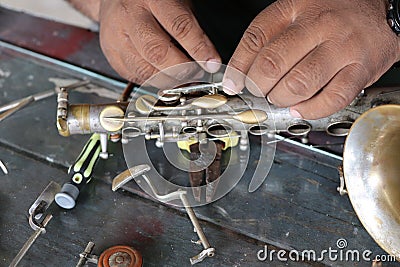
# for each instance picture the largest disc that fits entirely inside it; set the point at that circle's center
(80, 173)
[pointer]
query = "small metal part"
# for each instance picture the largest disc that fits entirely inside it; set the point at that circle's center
(141, 170)
(72, 119)
(249, 116)
(342, 187)
(195, 177)
(145, 103)
(208, 251)
(194, 88)
(120, 256)
(127, 92)
(12, 107)
(111, 126)
(74, 85)
(128, 175)
(31, 240)
(115, 137)
(86, 256)
(39, 207)
(116, 256)
(80, 173)
(213, 172)
(168, 97)
(207, 101)
(3, 167)
(103, 143)
(36, 97)
(22, 103)
(36, 211)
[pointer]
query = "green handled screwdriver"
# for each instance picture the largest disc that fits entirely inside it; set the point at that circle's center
(80, 173)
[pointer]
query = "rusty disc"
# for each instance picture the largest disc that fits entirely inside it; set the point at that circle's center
(120, 256)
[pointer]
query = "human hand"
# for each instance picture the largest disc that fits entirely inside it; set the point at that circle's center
(137, 37)
(314, 56)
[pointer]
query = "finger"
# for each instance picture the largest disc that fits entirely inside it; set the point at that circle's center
(280, 55)
(131, 66)
(338, 94)
(181, 24)
(154, 44)
(310, 75)
(265, 27)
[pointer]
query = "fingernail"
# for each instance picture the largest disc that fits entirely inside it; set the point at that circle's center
(295, 114)
(269, 99)
(213, 65)
(229, 87)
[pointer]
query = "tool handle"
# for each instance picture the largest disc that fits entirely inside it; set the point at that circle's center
(80, 173)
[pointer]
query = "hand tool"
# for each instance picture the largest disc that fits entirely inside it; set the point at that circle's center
(135, 171)
(80, 173)
(12, 107)
(249, 116)
(36, 212)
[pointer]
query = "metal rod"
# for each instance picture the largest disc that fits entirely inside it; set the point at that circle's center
(309, 147)
(30, 241)
(36, 97)
(75, 85)
(195, 222)
(191, 88)
(22, 103)
(127, 92)
(247, 116)
(83, 256)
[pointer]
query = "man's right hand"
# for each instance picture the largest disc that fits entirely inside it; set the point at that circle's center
(139, 37)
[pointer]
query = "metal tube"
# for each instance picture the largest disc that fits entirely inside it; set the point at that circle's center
(195, 222)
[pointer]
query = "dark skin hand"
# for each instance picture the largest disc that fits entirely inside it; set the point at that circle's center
(137, 37)
(310, 55)
(314, 56)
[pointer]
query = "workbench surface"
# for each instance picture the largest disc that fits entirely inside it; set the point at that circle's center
(297, 208)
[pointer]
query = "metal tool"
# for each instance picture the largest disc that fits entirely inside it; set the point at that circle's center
(207, 101)
(80, 173)
(208, 87)
(249, 116)
(208, 250)
(36, 212)
(12, 107)
(211, 172)
(116, 256)
(133, 172)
